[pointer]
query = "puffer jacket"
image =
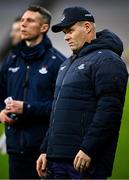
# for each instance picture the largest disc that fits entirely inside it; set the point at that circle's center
(88, 103)
(29, 74)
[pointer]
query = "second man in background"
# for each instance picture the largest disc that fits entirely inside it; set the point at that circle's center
(28, 76)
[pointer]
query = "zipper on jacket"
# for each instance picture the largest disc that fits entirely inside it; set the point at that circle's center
(71, 61)
(25, 83)
(59, 95)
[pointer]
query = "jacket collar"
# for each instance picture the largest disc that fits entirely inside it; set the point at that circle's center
(32, 53)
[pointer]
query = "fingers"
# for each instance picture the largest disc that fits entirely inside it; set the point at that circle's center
(11, 106)
(75, 161)
(80, 164)
(4, 118)
(8, 121)
(15, 107)
(8, 104)
(41, 165)
(81, 161)
(44, 163)
(83, 166)
(87, 164)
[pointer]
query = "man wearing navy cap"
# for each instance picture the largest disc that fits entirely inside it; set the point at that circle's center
(88, 102)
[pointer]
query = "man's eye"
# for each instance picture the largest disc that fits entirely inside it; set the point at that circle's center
(30, 20)
(71, 31)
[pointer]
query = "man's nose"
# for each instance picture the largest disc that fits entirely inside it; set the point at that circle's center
(66, 37)
(23, 23)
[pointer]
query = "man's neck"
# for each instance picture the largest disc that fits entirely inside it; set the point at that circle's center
(31, 43)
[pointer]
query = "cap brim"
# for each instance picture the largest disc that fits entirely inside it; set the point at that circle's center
(64, 24)
(59, 27)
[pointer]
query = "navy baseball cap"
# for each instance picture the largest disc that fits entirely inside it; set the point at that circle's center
(71, 16)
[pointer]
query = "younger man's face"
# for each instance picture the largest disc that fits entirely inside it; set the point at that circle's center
(31, 25)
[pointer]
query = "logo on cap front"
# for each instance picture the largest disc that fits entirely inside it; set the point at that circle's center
(63, 17)
(88, 15)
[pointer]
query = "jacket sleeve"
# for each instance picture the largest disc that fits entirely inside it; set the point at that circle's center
(3, 83)
(37, 109)
(43, 147)
(110, 80)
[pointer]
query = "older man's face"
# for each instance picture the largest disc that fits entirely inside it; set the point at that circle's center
(75, 36)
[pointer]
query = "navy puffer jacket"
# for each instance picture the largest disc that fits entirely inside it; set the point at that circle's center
(29, 74)
(88, 103)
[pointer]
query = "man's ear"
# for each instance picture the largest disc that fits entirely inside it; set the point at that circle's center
(88, 26)
(44, 28)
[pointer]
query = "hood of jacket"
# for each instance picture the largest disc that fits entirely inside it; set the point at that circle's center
(104, 40)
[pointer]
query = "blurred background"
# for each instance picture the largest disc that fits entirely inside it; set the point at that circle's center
(112, 15)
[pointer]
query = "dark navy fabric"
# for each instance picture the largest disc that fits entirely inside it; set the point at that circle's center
(23, 166)
(65, 170)
(88, 103)
(29, 75)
